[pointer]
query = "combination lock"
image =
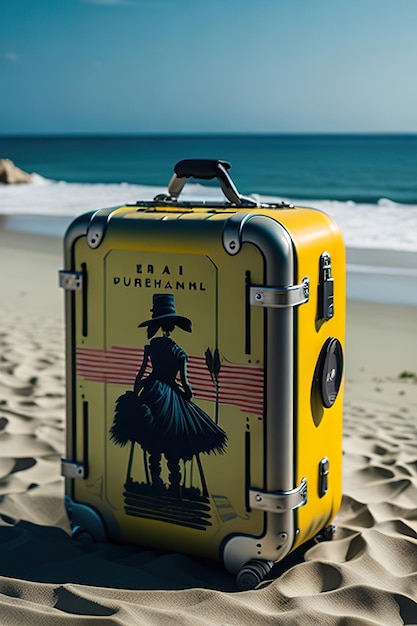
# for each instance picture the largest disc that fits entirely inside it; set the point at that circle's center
(326, 288)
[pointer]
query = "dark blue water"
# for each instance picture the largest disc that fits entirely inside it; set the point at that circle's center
(362, 168)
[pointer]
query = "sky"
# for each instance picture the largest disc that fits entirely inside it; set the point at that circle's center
(207, 66)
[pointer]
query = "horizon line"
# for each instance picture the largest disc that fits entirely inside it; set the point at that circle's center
(107, 134)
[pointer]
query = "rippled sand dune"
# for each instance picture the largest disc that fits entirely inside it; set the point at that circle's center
(366, 575)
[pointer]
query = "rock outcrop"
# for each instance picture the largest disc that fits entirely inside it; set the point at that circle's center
(12, 175)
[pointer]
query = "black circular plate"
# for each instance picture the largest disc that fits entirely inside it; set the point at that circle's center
(330, 371)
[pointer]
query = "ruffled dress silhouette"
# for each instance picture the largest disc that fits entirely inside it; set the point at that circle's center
(159, 414)
(165, 419)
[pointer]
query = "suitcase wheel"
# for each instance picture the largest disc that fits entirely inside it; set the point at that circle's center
(86, 523)
(252, 573)
(80, 534)
(326, 534)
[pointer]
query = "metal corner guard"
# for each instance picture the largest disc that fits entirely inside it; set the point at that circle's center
(97, 227)
(279, 501)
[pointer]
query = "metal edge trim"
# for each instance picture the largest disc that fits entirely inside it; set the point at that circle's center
(78, 228)
(275, 244)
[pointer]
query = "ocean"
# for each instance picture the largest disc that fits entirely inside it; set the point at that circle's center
(367, 183)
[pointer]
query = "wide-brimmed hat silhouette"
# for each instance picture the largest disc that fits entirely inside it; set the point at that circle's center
(164, 309)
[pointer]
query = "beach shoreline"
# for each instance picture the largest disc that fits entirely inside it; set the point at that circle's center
(366, 575)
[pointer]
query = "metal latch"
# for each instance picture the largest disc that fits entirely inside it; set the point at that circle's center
(279, 297)
(326, 288)
(71, 281)
(323, 476)
(279, 501)
(72, 469)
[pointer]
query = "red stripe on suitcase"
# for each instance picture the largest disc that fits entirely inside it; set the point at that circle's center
(239, 385)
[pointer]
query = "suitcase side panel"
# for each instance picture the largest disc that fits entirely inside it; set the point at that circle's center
(318, 430)
(316, 448)
(134, 261)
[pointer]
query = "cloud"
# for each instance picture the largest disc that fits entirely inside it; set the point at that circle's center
(11, 56)
(111, 2)
(151, 4)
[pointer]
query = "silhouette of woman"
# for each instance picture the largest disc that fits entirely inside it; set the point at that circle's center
(166, 421)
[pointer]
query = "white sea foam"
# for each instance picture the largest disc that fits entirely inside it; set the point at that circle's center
(386, 225)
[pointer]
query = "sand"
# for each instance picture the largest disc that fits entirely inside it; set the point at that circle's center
(366, 575)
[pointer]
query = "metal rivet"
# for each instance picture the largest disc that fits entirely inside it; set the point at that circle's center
(258, 498)
(232, 245)
(258, 296)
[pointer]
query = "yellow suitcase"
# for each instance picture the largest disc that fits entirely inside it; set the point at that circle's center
(205, 374)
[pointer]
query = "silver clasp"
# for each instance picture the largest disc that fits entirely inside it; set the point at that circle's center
(279, 501)
(279, 297)
(72, 469)
(71, 281)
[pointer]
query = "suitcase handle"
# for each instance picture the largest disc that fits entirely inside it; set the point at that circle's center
(206, 169)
